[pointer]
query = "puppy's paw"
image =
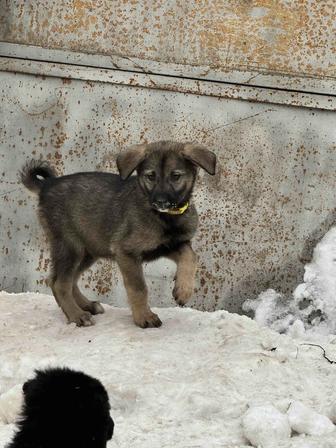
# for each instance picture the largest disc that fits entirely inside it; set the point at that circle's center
(83, 319)
(146, 319)
(97, 308)
(182, 292)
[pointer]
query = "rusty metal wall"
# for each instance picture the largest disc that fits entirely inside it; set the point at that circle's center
(273, 196)
(82, 79)
(279, 36)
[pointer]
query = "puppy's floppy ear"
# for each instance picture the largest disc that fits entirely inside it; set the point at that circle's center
(27, 386)
(200, 156)
(129, 160)
(110, 428)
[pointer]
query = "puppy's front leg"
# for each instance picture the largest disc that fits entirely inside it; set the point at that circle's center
(186, 262)
(131, 270)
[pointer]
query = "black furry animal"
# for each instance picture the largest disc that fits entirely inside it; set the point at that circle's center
(130, 219)
(63, 409)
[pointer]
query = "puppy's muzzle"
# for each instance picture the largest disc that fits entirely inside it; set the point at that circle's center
(162, 205)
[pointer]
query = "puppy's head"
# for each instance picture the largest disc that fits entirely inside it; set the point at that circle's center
(166, 170)
(68, 408)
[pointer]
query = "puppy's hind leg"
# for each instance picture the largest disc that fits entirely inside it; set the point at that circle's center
(81, 300)
(65, 262)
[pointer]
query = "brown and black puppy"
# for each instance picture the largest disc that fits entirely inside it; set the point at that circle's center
(131, 219)
(63, 408)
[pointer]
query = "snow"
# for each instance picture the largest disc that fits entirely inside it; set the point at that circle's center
(188, 384)
(311, 311)
(304, 420)
(332, 413)
(10, 404)
(265, 425)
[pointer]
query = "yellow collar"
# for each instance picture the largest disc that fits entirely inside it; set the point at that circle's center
(178, 211)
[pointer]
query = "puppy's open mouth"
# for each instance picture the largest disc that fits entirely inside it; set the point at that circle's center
(162, 210)
(173, 210)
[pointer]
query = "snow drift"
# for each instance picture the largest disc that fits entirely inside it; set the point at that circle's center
(312, 308)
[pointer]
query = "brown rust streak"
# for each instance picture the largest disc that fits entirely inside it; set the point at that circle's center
(272, 35)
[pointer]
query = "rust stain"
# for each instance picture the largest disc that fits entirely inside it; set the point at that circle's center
(277, 36)
(254, 39)
(103, 280)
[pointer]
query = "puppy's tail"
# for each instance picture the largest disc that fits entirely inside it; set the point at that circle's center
(34, 174)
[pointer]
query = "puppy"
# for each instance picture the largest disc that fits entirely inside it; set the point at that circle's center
(64, 408)
(130, 219)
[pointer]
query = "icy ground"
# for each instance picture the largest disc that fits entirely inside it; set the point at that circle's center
(202, 380)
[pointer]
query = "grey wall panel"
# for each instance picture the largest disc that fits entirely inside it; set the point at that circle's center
(283, 36)
(274, 193)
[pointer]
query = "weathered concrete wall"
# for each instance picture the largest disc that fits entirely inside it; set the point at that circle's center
(273, 195)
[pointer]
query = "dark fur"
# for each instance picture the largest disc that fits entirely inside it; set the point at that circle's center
(95, 214)
(63, 409)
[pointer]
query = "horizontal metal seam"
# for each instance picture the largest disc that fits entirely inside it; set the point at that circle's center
(41, 68)
(151, 73)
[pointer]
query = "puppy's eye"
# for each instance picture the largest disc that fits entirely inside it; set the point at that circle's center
(176, 176)
(150, 176)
